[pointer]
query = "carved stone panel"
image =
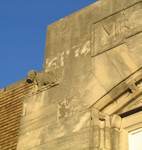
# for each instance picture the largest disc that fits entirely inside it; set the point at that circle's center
(113, 30)
(109, 32)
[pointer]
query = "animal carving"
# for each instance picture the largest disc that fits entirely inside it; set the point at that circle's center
(41, 79)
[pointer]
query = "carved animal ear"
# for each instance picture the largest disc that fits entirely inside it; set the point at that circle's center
(35, 72)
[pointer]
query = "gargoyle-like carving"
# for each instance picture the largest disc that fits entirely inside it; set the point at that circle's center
(41, 79)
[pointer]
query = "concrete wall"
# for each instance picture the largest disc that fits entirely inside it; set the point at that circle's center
(91, 51)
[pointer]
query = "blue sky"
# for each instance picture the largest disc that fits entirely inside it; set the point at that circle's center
(23, 25)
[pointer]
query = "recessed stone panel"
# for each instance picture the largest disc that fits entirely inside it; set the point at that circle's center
(109, 33)
(112, 31)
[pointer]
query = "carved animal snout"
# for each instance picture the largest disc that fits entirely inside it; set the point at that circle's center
(31, 76)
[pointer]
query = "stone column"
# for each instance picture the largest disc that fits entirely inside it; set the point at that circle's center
(115, 131)
(107, 133)
(95, 129)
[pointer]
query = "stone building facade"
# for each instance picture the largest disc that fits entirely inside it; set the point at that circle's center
(89, 94)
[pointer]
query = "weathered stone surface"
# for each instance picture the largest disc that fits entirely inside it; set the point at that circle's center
(105, 71)
(122, 60)
(38, 118)
(33, 102)
(31, 139)
(83, 91)
(67, 125)
(118, 103)
(58, 129)
(112, 31)
(75, 141)
(102, 102)
(118, 90)
(95, 136)
(97, 54)
(115, 139)
(37, 114)
(71, 62)
(90, 88)
(133, 16)
(87, 16)
(108, 33)
(134, 44)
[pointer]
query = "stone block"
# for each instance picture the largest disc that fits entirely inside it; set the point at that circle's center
(107, 132)
(129, 3)
(95, 136)
(133, 17)
(53, 49)
(118, 103)
(75, 32)
(78, 62)
(73, 62)
(90, 89)
(105, 71)
(74, 141)
(118, 90)
(95, 12)
(70, 88)
(38, 119)
(122, 60)
(118, 5)
(48, 35)
(67, 125)
(54, 33)
(59, 39)
(64, 27)
(134, 44)
(94, 148)
(70, 142)
(70, 106)
(33, 102)
(86, 33)
(53, 95)
(106, 8)
(102, 102)
(31, 139)
(46, 146)
(47, 110)
(37, 123)
(86, 18)
(134, 78)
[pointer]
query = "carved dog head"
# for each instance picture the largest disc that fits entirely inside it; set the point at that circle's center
(31, 76)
